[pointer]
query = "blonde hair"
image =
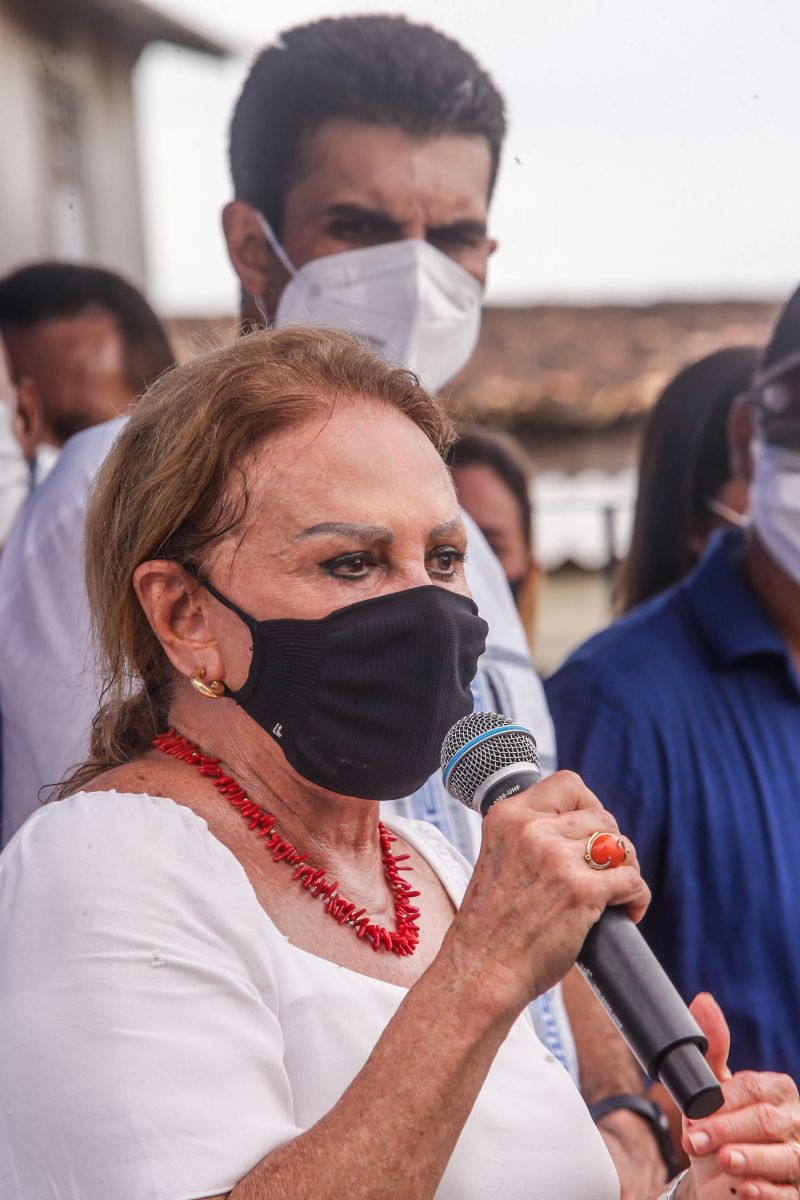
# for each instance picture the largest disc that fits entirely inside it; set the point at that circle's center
(176, 480)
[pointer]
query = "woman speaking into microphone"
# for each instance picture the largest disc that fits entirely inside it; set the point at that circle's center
(222, 975)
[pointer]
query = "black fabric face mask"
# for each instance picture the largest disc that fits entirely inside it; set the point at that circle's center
(360, 701)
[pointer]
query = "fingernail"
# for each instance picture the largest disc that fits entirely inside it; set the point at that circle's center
(753, 1191)
(699, 1141)
(736, 1159)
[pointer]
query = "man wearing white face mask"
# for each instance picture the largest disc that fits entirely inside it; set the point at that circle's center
(685, 717)
(364, 153)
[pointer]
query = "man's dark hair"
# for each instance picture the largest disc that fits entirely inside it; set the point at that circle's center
(47, 290)
(478, 446)
(374, 69)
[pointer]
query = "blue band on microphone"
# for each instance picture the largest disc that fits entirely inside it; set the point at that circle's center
(482, 737)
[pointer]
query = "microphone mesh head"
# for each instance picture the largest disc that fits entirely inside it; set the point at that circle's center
(481, 761)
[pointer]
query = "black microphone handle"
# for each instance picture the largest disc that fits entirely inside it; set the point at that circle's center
(644, 1004)
(636, 992)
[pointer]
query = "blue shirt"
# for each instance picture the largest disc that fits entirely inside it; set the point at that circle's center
(684, 718)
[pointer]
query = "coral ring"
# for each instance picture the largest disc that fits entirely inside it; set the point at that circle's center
(605, 850)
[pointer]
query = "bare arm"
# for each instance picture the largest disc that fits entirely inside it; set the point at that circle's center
(393, 1131)
(607, 1066)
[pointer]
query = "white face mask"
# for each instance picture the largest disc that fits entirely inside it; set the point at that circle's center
(775, 504)
(731, 516)
(407, 300)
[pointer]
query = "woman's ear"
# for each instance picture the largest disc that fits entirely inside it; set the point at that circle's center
(741, 428)
(178, 609)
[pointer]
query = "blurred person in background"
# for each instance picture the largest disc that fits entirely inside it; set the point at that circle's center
(493, 475)
(364, 153)
(82, 344)
(684, 716)
(687, 488)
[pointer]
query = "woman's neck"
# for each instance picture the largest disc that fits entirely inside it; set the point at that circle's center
(327, 826)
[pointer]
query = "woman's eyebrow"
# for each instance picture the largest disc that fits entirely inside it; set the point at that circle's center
(454, 525)
(361, 533)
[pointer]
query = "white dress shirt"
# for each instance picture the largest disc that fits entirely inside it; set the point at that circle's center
(161, 1036)
(48, 690)
(14, 473)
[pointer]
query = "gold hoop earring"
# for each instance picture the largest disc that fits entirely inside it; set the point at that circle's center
(213, 690)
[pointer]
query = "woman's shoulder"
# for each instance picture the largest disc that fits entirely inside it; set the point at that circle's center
(107, 868)
(116, 840)
(106, 813)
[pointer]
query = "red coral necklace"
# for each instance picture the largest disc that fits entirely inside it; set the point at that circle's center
(402, 941)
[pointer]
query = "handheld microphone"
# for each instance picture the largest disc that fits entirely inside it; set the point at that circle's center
(486, 757)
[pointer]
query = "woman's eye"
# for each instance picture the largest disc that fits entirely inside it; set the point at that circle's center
(349, 566)
(443, 561)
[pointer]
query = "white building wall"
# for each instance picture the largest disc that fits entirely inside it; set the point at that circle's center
(111, 163)
(23, 232)
(101, 219)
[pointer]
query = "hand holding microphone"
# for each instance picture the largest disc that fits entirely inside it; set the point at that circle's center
(532, 899)
(571, 913)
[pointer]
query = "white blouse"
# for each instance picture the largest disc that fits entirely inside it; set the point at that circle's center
(159, 1036)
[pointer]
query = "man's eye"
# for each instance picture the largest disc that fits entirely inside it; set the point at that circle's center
(354, 231)
(442, 562)
(456, 239)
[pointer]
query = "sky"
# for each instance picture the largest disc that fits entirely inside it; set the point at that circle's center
(653, 152)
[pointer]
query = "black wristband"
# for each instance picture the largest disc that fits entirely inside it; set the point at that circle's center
(650, 1112)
